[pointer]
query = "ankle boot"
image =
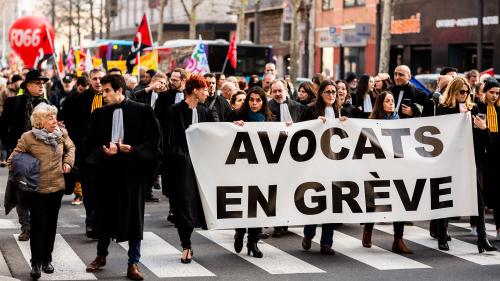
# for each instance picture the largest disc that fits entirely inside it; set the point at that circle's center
(399, 246)
(36, 271)
(367, 238)
(443, 245)
(484, 245)
(254, 250)
(238, 242)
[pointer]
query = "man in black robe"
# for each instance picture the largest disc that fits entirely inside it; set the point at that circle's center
(121, 149)
(217, 105)
(412, 100)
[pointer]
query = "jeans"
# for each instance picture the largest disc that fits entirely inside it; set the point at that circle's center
(44, 212)
(326, 233)
(134, 249)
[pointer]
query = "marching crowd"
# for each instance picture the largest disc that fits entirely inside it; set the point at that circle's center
(111, 139)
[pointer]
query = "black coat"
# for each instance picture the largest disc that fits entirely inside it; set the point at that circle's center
(296, 110)
(181, 179)
(481, 139)
(121, 180)
(12, 121)
(492, 164)
(220, 106)
(417, 97)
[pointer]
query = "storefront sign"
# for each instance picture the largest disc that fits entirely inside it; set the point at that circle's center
(464, 22)
(405, 26)
(328, 37)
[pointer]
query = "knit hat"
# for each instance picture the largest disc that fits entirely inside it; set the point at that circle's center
(351, 76)
(489, 83)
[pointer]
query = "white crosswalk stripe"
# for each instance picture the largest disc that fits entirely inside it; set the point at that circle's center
(275, 261)
(67, 264)
(458, 248)
(491, 229)
(375, 256)
(14, 224)
(163, 259)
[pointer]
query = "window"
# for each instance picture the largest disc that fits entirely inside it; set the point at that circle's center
(353, 3)
(287, 32)
(327, 4)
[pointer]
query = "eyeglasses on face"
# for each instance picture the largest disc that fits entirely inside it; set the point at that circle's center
(330, 93)
(38, 82)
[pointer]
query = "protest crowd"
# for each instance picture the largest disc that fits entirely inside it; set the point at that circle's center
(109, 140)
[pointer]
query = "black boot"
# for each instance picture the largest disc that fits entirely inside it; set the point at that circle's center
(238, 242)
(252, 248)
(484, 245)
(47, 267)
(36, 270)
(443, 245)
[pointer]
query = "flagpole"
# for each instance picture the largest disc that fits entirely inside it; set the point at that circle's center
(224, 66)
(155, 49)
(138, 67)
(53, 52)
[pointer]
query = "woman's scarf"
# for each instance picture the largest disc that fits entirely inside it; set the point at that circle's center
(491, 115)
(255, 116)
(48, 138)
(393, 116)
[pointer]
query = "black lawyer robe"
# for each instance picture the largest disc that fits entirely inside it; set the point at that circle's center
(296, 110)
(181, 179)
(122, 179)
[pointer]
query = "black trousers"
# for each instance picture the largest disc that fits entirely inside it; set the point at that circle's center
(399, 228)
(185, 236)
(44, 212)
(480, 224)
(496, 215)
(253, 233)
(88, 193)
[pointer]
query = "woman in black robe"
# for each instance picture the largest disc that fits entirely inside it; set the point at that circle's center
(254, 109)
(185, 200)
(456, 99)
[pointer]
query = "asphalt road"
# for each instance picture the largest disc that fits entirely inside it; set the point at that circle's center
(284, 259)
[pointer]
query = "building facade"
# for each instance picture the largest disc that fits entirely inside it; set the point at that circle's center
(214, 19)
(345, 37)
(427, 35)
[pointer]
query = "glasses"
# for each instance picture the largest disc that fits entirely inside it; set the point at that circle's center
(333, 93)
(464, 92)
(38, 83)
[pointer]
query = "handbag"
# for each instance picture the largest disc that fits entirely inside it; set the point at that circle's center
(25, 172)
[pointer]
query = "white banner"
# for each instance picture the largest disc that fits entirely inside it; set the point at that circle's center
(267, 174)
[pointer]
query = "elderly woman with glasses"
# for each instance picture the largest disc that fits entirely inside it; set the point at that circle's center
(456, 99)
(51, 145)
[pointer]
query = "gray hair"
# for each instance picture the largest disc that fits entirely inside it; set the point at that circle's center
(40, 113)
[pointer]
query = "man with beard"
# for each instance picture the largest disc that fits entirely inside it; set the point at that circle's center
(15, 84)
(215, 103)
(174, 94)
(77, 123)
(15, 120)
(286, 110)
(121, 149)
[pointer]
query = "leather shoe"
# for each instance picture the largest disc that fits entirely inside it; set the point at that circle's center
(24, 236)
(306, 243)
(151, 198)
(399, 246)
(134, 273)
(47, 268)
(99, 262)
(35, 271)
(327, 250)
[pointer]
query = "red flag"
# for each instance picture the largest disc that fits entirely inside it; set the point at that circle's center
(489, 71)
(142, 40)
(231, 53)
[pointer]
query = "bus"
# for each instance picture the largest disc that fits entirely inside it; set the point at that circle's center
(251, 58)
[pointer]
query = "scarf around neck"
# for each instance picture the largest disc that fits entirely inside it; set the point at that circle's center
(255, 116)
(48, 138)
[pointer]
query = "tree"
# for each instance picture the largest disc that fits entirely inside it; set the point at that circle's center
(162, 5)
(241, 18)
(191, 14)
(294, 40)
(386, 37)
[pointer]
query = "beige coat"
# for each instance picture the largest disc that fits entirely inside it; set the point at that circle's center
(51, 165)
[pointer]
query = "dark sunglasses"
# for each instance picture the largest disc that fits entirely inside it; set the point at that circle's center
(464, 92)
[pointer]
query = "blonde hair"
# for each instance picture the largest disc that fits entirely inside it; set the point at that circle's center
(40, 113)
(451, 92)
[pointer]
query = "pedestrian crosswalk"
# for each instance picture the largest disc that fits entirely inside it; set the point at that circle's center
(160, 258)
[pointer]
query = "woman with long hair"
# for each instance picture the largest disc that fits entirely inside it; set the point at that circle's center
(306, 93)
(366, 95)
(254, 109)
(345, 99)
(384, 108)
(457, 99)
(326, 106)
